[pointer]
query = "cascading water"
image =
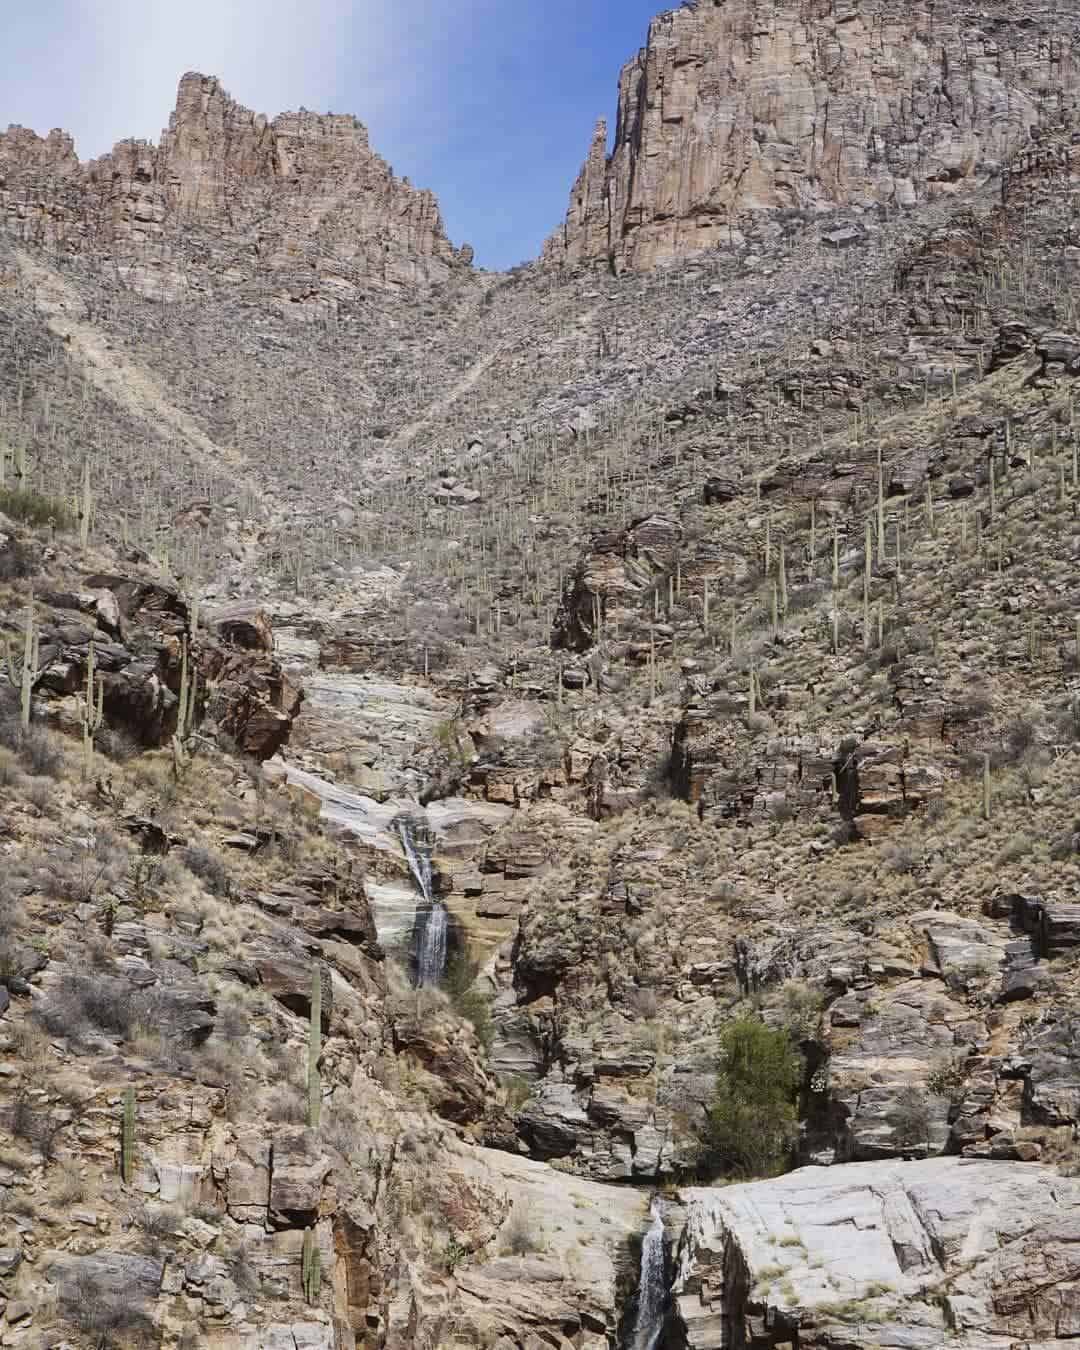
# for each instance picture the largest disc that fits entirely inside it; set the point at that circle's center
(432, 931)
(431, 953)
(652, 1286)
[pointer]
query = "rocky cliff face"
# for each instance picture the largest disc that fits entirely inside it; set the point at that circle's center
(227, 192)
(735, 107)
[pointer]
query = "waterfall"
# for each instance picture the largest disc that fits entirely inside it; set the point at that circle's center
(419, 859)
(652, 1286)
(431, 950)
(432, 921)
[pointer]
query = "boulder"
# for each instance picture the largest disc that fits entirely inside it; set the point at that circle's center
(242, 625)
(1050, 1066)
(1059, 928)
(298, 1176)
(970, 1253)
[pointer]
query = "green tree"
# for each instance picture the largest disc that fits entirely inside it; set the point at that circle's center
(752, 1120)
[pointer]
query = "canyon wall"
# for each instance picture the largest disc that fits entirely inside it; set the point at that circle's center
(736, 107)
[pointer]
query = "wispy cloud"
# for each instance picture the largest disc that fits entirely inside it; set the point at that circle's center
(108, 68)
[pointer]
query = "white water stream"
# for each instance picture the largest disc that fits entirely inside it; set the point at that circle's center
(652, 1287)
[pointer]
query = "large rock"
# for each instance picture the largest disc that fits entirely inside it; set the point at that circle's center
(879, 1079)
(732, 109)
(913, 1255)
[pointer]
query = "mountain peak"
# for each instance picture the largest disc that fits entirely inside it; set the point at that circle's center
(301, 201)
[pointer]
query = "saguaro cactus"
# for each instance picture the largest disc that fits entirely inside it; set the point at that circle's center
(986, 787)
(185, 715)
(127, 1138)
(314, 1050)
(311, 1266)
(84, 506)
(91, 709)
(25, 676)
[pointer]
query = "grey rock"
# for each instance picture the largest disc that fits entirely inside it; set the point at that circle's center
(883, 1240)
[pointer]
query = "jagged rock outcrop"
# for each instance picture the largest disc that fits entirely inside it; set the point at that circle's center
(300, 204)
(735, 108)
(618, 572)
(904, 1254)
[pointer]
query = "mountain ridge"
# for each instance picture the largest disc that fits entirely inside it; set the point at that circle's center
(301, 196)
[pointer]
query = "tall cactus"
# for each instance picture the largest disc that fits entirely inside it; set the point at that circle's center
(25, 676)
(986, 804)
(185, 714)
(84, 506)
(880, 508)
(91, 710)
(127, 1138)
(314, 1050)
(311, 1266)
(867, 564)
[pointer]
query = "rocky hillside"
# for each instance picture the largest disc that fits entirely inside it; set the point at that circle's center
(453, 709)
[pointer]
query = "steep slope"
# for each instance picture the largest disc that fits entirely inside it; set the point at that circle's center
(738, 109)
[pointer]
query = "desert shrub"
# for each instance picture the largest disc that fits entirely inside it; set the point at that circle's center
(286, 1105)
(902, 858)
(751, 1120)
(11, 776)
(73, 872)
(117, 743)
(518, 1090)
(38, 792)
(208, 866)
(157, 1222)
(38, 751)
(1066, 845)
(521, 1233)
(35, 1127)
(17, 561)
(976, 705)
(912, 1121)
(782, 810)
(107, 1317)
(801, 1005)
(70, 1186)
(78, 1004)
(242, 1268)
(33, 508)
(936, 809)
(1020, 737)
(947, 1079)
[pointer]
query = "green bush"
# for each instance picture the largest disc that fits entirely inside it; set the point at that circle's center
(33, 508)
(752, 1119)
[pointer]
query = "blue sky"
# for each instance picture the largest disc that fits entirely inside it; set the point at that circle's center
(489, 102)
